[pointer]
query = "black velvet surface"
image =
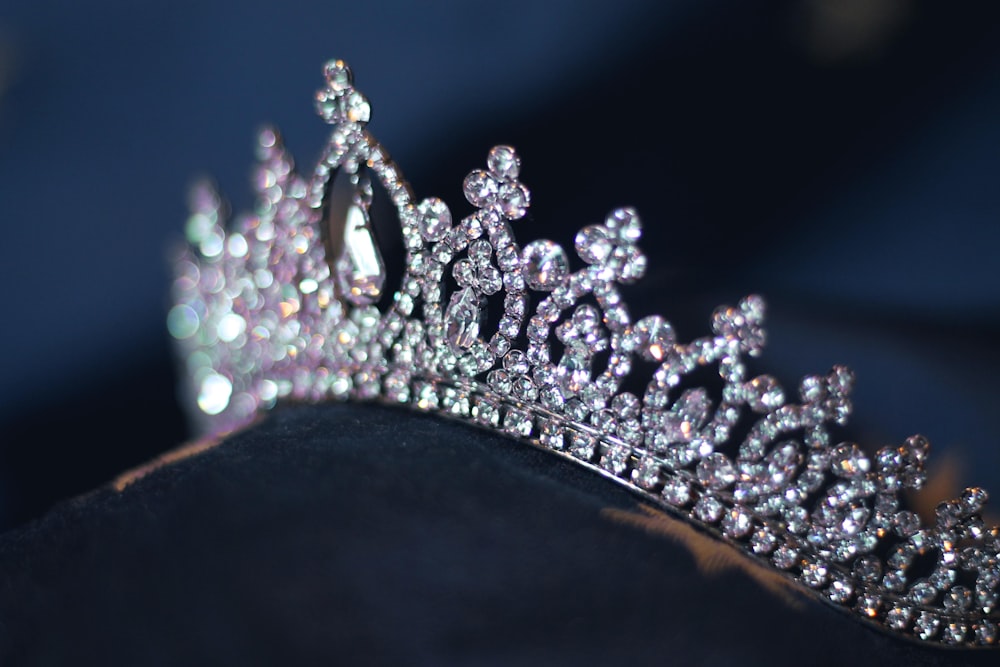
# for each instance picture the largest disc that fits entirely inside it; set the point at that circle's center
(346, 534)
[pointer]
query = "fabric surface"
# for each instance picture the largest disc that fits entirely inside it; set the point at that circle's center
(346, 534)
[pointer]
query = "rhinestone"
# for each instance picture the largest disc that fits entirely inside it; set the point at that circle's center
(581, 445)
(514, 200)
(634, 267)
(504, 162)
(986, 632)
(647, 473)
(765, 394)
(895, 580)
(922, 593)
(338, 75)
(435, 219)
(677, 491)
(486, 412)
(524, 389)
(480, 188)
(455, 402)
(593, 244)
(942, 577)
(736, 522)
(552, 434)
(552, 397)
(490, 280)
(954, 633)
(906, 523)
(616, 459)
(626, 405)
(785, 557)
(708, 509)
(782, 463)
(927, 625)
(500, 381)
(544, 265)
(898, 617)
(869, 605)
(815, 575)
(958, 599)
(948, 514)
(847, 460)
(517, 423)
(425, 395)
(655, 337)
(763, 541)
(973, 500)
(840, 590)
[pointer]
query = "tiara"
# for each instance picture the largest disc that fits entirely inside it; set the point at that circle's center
(292, 302)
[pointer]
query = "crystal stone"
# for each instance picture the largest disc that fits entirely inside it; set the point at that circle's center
(655, 337)
(545, 265)
(462, 319)
(358, 264)
(435, 219)
(504, 162)
(593, 244)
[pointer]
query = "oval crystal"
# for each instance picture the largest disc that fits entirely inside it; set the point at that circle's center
(435, 219)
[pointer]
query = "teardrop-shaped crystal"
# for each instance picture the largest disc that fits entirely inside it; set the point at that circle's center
(462, 319)
(358, 265)
(545, 265)
(716, 471)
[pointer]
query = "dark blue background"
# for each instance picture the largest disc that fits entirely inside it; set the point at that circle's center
(839, 157)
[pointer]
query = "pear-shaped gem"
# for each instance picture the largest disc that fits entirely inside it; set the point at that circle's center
(462, 319)
(358, 265)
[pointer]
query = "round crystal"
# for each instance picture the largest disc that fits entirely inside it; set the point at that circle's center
(765, 394)
(356, 108)
(716, 471)
(736, 522)
(435, 219)
(514, 200)
(338, 75)
(847, 460)
(655, 337)
(593, 244)
(545, 265)
(480, 188)
(504, 162)
(677, 491)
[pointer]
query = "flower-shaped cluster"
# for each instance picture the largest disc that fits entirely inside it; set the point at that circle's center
(613, 245)
(476, 271)
(745, 323)
(499, 185)
(339, 102)
(583, 337)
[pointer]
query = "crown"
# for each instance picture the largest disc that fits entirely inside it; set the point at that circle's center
(293, 302)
